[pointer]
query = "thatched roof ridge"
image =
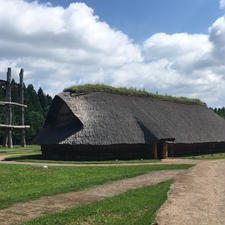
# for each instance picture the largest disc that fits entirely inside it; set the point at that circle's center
(88, 88)
(100, 118)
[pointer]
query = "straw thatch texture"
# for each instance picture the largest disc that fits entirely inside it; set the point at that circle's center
(106, 119)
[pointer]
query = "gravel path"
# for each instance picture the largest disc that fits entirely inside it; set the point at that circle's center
(20, 212)
(197, 196)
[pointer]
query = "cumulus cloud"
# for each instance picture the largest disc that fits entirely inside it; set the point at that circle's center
(222, 4)
(198, 60)
(69, 45)
(217, 37)
(59, 47)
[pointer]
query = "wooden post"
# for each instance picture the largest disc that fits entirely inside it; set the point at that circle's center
(23, 140)
(8, 104)
(155, 150)
(165, 151)
(5, 143)
(9, 108)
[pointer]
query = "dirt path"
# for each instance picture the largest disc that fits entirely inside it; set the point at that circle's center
(20, 212)
(197, 196)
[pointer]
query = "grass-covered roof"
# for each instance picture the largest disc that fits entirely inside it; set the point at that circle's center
(87, 88)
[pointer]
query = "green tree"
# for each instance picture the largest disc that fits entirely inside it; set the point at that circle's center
(38, 106)
(220, 111)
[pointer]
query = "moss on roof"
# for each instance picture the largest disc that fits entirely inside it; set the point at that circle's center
(87, 88)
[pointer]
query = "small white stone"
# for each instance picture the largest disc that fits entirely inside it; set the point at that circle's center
(45, 167)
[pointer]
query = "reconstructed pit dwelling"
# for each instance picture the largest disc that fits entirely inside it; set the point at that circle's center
(102, 125)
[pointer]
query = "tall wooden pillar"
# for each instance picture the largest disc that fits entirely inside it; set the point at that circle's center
(165, 151)
(9, 109)
(23, 140)
(5, 143)
(155, 151)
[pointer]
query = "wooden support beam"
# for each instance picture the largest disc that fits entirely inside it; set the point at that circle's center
(8, 103)
(9, 108)
(23, 140)
(5, 126)
(165, 151)
(12, 103)
(155, 151)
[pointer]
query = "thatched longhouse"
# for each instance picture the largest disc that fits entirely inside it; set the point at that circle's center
(100, 125)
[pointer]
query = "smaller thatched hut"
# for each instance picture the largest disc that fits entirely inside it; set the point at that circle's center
(104, 124)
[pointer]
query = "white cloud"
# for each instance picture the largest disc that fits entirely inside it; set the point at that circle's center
(217, 37)
(222, 4)
(178, 48)
(197, 58)
(59, 47)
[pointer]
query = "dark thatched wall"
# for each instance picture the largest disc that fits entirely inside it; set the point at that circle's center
(90, 152)
(126, 152)
(176, 150)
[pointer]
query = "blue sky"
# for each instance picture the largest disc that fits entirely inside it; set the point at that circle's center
(174, 47)
(140, 19)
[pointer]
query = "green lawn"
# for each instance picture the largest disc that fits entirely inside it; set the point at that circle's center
(23, 182)
(208, 156)
(135, 207)
(30, 149)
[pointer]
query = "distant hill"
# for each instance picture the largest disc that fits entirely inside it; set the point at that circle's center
(38, 106)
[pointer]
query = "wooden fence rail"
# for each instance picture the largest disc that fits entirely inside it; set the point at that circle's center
(12, 103)
(14, 126)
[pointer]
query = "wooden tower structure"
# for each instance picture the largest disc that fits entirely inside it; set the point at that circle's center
(8, 126)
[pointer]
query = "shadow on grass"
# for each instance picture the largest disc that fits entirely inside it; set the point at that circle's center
(25, 157)
(39, 158)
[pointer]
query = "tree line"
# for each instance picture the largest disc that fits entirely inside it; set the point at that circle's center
(220, 111)
(35, 114)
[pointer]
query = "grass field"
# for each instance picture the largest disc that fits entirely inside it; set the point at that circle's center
(22, 182)
(208, 156)
(135, 207)
(29, 150)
